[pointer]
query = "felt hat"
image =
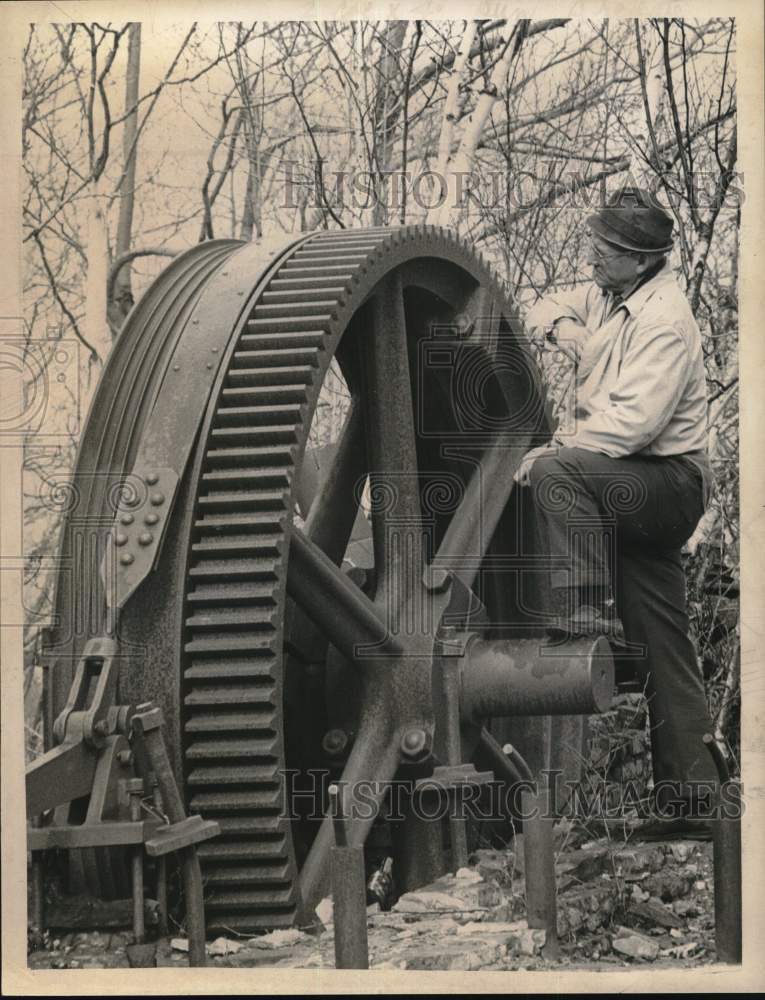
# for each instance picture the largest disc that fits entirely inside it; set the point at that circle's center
(634, 220)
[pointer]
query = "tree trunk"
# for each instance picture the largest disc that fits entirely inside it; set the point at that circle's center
(96, 323)
(387, 111)
(459, 168)
(252, 224)
(122, 301)
(451, 105)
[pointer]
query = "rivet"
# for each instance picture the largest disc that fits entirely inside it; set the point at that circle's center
(127, 558)
(157, 499)
(151, 518)
(195, 322)
(415, 744)
(127, 519)
(152, 478)
(120, 538)
(214, 350)
(413, 739)
(209, 364)
(176, 368)
(146, 538)
(334, 742)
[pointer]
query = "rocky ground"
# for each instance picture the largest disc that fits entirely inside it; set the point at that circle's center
(618, 905)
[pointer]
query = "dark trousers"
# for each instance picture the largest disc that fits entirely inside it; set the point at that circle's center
(622, 521)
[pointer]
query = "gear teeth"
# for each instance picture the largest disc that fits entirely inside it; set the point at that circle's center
(239, 721)
(262, 874)
(224, 749)
(232, 674)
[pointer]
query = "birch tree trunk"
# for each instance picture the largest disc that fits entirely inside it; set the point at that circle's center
(451, 105)
(459, 169)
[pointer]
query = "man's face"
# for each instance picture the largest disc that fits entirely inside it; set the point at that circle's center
(613, 270)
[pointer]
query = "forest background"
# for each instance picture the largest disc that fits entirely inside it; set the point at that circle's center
(137, 144)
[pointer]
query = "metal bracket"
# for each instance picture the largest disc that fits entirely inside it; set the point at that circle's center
(192, 830)
(78, 720)
(445, 779)
(172, 427)
(136, 537)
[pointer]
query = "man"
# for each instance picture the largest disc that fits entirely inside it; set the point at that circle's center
(620, 495)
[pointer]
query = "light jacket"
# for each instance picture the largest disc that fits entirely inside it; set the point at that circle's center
(640, 381)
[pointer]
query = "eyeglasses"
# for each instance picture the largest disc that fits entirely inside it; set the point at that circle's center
(595, 251)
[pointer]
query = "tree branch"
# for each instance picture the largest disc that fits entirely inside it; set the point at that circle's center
(94, 356)
(127, 258)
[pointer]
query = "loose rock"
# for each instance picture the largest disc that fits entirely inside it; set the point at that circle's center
(445, 925)
(630, 943)
(682, 850)
(667, 885)
(638, 859)
(280, 939)
(532, 941)
(468, 875)
(223, 946)
(325, 910)
(655, 912)
(419, 902)
(682, 950)
(474, 954)
(498, 927)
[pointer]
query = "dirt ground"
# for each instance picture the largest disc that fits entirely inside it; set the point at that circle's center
(618, 904)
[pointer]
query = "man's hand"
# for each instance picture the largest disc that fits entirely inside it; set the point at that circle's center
(522, 472)
(571, 337)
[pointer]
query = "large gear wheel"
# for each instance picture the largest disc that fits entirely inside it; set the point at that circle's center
(249, 685)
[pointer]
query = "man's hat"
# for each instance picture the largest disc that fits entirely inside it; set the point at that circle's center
(635, 220)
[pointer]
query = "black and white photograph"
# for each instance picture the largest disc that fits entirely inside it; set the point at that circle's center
(381, 532)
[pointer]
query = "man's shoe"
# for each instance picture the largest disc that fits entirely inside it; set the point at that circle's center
(682, 828)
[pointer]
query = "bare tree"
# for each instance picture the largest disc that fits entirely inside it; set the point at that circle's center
(120, 294)
(505, 130)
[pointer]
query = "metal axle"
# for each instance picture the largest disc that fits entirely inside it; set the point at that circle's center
(535, 677)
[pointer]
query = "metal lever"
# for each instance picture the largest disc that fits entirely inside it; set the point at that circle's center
(349, 893)
(726, 839)
(147, 723)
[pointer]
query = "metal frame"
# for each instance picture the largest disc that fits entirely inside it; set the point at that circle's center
(112, 755)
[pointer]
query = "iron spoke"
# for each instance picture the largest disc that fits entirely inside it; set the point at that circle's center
(390, 433)
(334, 510)
(371, 767)
(341, 610)
(472, 526)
